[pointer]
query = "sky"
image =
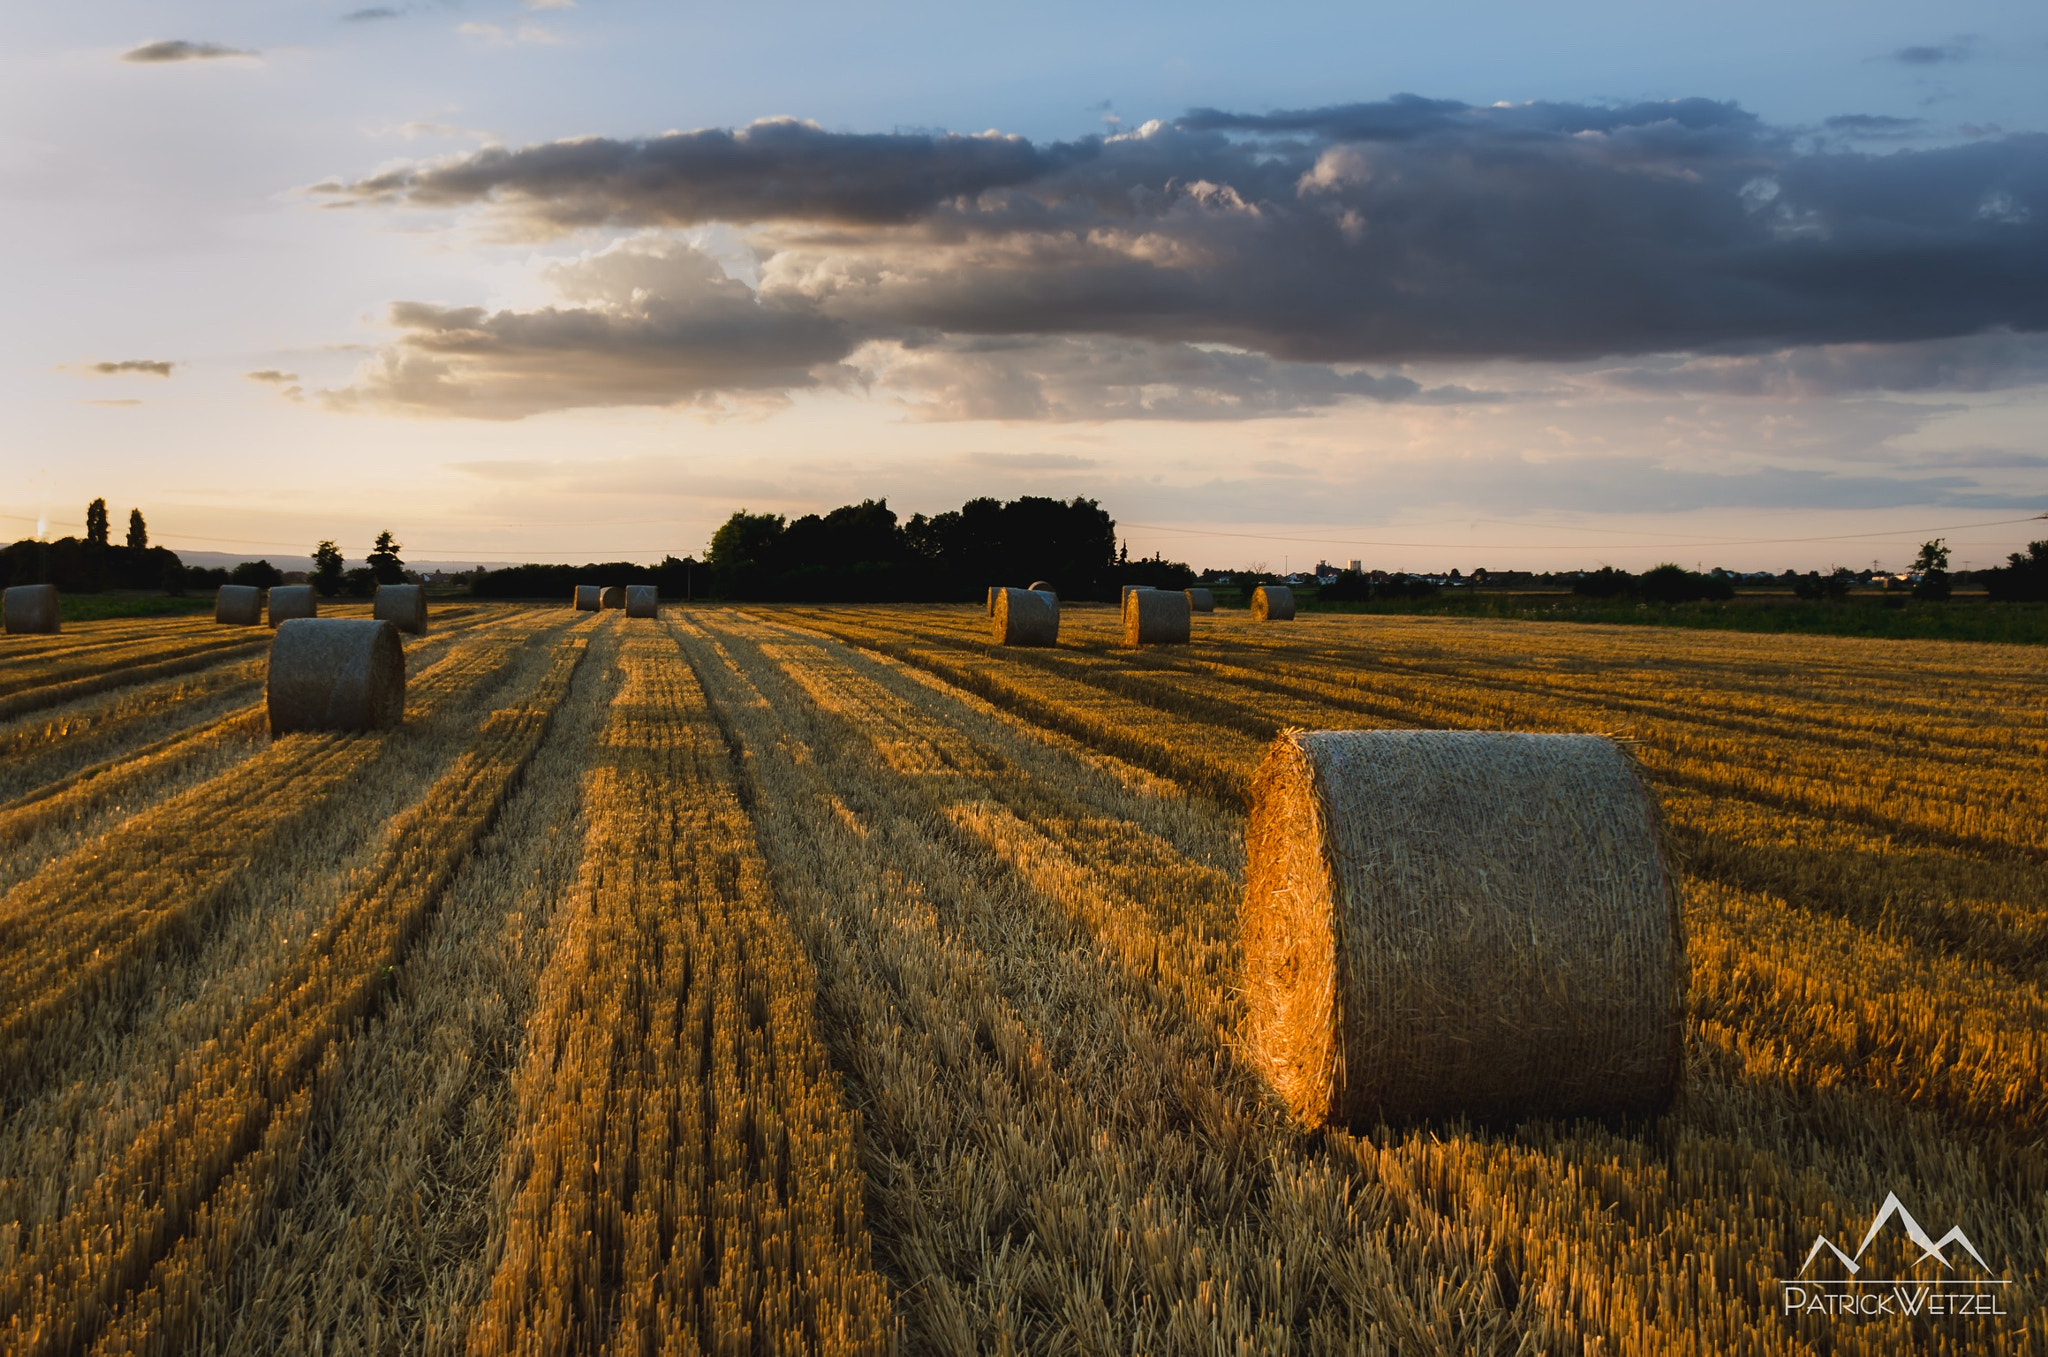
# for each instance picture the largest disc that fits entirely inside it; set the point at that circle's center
(1428, 286)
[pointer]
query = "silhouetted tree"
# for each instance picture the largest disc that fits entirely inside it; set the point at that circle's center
(262, 574)
(328, 566)
(138, 531)
(385, 565)
(96, 523)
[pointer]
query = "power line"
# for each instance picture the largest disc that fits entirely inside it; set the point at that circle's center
(1574, 546)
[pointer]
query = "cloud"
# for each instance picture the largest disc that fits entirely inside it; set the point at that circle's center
(370, 15)
(2000, 360)
(152, 367)
(1031, 461)
(1931, 55)
(1059, 379)
(656, 323)
(1231, 265)
(531, 34)
(273, 376)
(1874, 126)
(177, 49)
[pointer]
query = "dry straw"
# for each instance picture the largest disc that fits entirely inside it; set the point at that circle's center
(30, 608)
(1273, 603)
(288, 601)
(1024, 617)
(334, 673)
(1154, 617)
(1130, 589)
(402, 605)
(238, 605)
(993, 590)
(1201, 601)
(643, 600)
(1044, 587)
(1459, 923)
(612, 596)
(588, 598)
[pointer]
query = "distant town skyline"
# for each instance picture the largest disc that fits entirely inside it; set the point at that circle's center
(1456, 286)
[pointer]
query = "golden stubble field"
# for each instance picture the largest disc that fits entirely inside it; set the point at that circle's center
(823, 979)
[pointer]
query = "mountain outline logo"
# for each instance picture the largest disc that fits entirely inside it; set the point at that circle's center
(1930, 1247)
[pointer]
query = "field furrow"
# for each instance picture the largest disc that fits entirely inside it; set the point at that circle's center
(682, 1169)
(76, 1268)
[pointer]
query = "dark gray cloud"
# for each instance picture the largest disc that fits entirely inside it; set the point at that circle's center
(2000, 360)
(177, 49)
(1874, 126)
(779, 169)
(1405, 230)
(149, 367)
(370, 15)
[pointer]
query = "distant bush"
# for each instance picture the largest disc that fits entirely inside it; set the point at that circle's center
(2023, 579)
(262, 574)
(1606, 582)
(1669, 583)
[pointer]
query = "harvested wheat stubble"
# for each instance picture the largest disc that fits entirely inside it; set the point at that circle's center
(612, 596)
(1459, 923)
(30, 608)
(402, 605)
(335, 673)
(588, 598)
(288, 601)
(643, 600)
(1025, 618)
(238, 605)
(1201, 600)
(1273, 603)
(1044, 587)
(1155, 617)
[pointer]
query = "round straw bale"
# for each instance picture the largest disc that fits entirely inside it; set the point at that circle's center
(1459, 923)
(238, 605)
(993, 590)
(587, 598)
(1201, 600)
(292, 600)
(1130, 589)
(612, 596)
(1273, 603)
(1025, 618)
(335, 673)
(402, 605)
(1155, 617)
(30, 608)
(643, 600)
(1044, 587)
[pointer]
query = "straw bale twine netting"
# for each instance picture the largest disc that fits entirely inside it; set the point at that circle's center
(643, 600)
(1025, 617)
(1155, 617)
(1201, 600)
(1273, 603)
(288, 601)
(587, 600)
(1044, 587)
(402, 605)
(612, 596)
(1445, 923)
(30, 608)
(238, 605)
(335, 673)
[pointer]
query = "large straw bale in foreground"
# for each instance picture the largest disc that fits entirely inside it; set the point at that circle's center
(238, 605)
(1201, 600)
(643, 600)
(1444, 923)
(288, 601)
(30, 608)
(612, 596)
(1024, 617)
(588, 598)
(1273, 603)
(1044, 587)
(402, 605)
(1156, 617)
(335, 673)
